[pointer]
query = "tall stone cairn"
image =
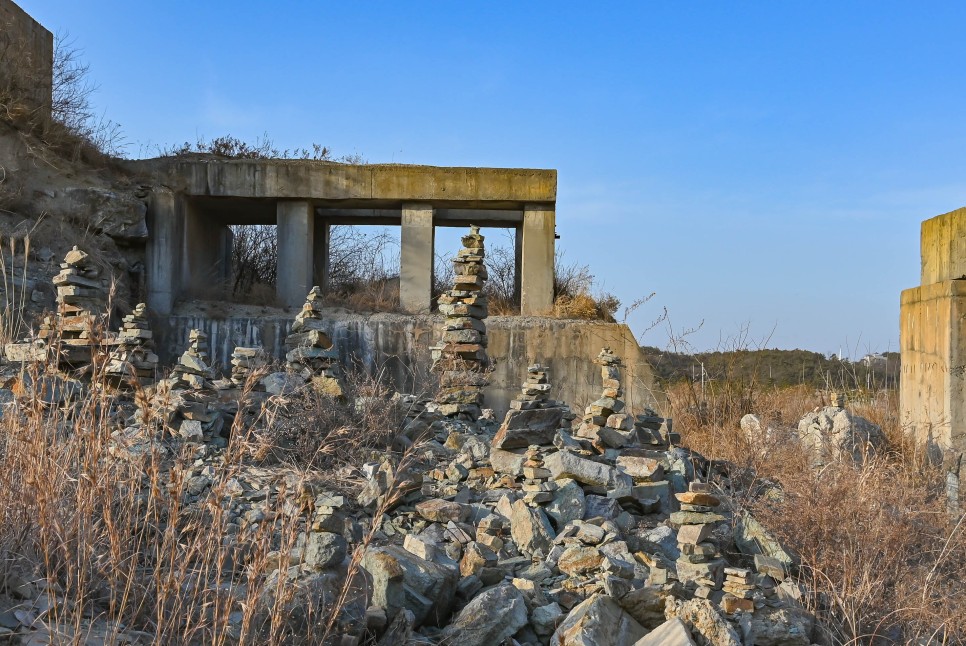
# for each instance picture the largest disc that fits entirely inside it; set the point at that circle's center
(460, 359)
(193, 371)
(310, 353)
(603, 424)
(133, 357)
(244, 361)
(81, 305)
(700, 564)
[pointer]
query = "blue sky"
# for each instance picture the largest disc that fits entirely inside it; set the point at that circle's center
(758, 165)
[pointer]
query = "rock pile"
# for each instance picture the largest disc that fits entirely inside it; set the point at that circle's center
(81, 307)
(533, 418)
(190, 399)
(310, 353)
(133, 357)
(461, 358)
(603, 424)
(834, 433)
(700, 564)
(244, 362)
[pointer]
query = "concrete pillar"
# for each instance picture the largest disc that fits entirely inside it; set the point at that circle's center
(320, 273)
(517, 262)
(536, 266)
(207, 254)
(416, 258)
(163, 254)
(296, 224)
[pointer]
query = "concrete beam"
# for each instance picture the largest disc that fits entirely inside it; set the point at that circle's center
(365, 186)
(416, 257)
(537, 255)
(296, 225)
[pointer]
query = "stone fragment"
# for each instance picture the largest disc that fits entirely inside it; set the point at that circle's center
(324, 550)
(564, 464)
(672, 632)
(488, 619)
(521, 428)
(441, 511)
(530, 529)
(598, 621)
(702, 618)
(568, 503)
(579, 560)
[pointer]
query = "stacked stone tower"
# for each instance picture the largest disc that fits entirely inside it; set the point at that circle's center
(81, 306)
(460, 358)
(603, 423)
(310, 353)
(133, 357)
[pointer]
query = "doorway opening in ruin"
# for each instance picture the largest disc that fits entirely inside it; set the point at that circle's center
(502, 285)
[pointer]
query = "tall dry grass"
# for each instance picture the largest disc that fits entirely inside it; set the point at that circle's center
(100, 545)
(886, 562)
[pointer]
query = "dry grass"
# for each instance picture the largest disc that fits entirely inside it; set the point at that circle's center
(110, 546)
(877, 547)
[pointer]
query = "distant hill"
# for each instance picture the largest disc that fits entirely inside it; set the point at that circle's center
(777, 367)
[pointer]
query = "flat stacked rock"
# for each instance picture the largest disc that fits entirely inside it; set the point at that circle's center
(656, 430)
(700, 563)
(133, 357)
(533, 417)
(603, 424)
(245, 361)
(310, 353)
(81, 306)
(461, 358)
(192, 407)
(739, 587)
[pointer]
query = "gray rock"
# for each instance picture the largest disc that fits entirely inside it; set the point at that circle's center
(281, 383)
(530, 529)
(564, 464)
(507, 461)
(645, 605)
(672, 632)
(703, 619)
(832, 434)
(544, 619)
(568, 503)
(521, 428)
(600, 506)
(323, 550)
(401, 579)
(488, 619)
(782, 627)
(752, 538)
(598, 621)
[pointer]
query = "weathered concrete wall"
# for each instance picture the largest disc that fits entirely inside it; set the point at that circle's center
(932, 339)
(398, 347)
(26, 60)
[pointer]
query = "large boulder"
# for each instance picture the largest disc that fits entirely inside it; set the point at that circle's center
(833, 434)
(521, 428)
(488, 619)
(530, 529)
(564, 464)
(401, 579)
(598, 621)
(705, 623)
(672, 632)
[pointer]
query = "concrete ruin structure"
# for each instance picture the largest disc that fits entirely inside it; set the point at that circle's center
(933, 343)
(196, 199)
(26, 63)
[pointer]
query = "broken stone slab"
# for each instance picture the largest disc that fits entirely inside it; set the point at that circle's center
(564, 464)
(568, 503)
(672, 632)
(530, 529)
(578, 560)
(752, 538)
(490, 618)
(510, 462)
(702, 618)
(441, 511)
(522, 428)
(598, 621)
(646, 605)
(403, 580)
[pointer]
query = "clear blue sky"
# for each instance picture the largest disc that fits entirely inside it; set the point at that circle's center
(762, 163)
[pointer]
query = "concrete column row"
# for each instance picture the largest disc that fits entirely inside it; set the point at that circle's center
(186, 249)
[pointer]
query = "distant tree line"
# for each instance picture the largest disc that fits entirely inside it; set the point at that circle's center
(776, 367)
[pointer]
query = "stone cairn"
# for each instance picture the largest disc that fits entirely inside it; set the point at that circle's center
(134, 357)
(244, 361)
(532, 418)
(461, 358)
(603, 424)
(81, 303)
(310, 354)
(700, 563)
(193, 405)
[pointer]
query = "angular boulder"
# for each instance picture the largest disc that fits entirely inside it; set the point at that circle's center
(598, 621)
(521, 428)
(564, 464)
(489, 618)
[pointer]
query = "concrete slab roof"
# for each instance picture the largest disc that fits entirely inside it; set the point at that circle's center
(350, 186)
